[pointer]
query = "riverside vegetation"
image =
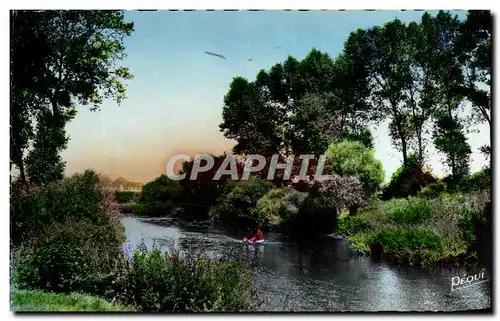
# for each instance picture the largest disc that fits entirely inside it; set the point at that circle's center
(414, 75)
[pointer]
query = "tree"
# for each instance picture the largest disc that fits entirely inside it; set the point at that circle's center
(450, 140)
(384, 53)
(249, 120)
(314, 126)
(474, 46)
(297, 103)
(44, 163)
(71, 61)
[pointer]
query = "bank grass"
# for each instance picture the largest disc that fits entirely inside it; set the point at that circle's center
(425, 231)
(36, 300)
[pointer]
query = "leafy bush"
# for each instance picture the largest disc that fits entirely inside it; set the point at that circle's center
(162, 189)
(78, 196)
(153, 282)
(235, 207)
(412, 210)
(433, 190)
(478, 181)
(277, 206)
(156, 208)
(353, 158)
(317, 214)
(407, 240)
(71, 256)
(125, 196)
(350, 225)
(408, 180)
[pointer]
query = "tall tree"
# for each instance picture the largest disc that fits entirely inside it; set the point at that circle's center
(450, 140)
(384, 52)
(72, 62)
(449, 137)
(474, 49)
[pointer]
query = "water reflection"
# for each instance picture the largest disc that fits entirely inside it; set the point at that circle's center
(326, 277)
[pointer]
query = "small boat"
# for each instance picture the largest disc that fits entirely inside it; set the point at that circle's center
(245, 240)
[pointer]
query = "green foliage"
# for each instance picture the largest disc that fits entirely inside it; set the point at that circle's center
(125, 196)
(162, 189)
(60, 59)
(433, 190)
(408, 180)
(450, 140)
(317, 214)
(277, 207)
(407, 240)
(363, 135)
(156, 209)
(171, 283)
(353, 158)
(76, 197)
(65, 257)
(410, 211)
(350, 225)
(30, 301)
(478, 181)
(235, 207)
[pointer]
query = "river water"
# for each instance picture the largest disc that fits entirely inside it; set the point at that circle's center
(328, 277)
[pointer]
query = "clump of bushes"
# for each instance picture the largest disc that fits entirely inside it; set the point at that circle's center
(277, 207)
(234, 208)
(69, 234)
(411, 210)
(125, 196)
(76, 197)
(156, 208)
(407, 240)
(317, 214)
(355, 159)
(154, 282)
(75, 255)
(408, 180)
(433, 190)
(479, 181)
(158, 198)
(351, 225)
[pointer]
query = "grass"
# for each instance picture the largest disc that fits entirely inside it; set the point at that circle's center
(30, 301)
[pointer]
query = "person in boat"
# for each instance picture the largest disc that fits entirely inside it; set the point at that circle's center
(257, 238)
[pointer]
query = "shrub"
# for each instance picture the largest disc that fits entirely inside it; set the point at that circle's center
(156, 208)
(317, 215)
(412, 210)
(478, 181)
(407, 240)
(125, 196)
(353, 158)
(433, 190)
(408, 180)
(153, 282)
(235, 207)
(71, 256)
(162, 189)
(78, 196)
(350, 225)
(277, 206)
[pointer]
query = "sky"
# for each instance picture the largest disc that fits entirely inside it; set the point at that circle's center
(174, 103)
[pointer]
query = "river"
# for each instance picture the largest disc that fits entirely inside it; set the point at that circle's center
(327, 277)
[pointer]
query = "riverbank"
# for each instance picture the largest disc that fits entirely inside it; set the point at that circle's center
(419, 232)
